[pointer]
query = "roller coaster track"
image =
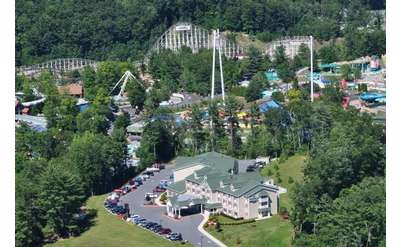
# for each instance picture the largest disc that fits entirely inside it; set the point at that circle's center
(57, 65)
(184, 34)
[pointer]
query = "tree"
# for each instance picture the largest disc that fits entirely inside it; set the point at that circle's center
(357, 216)
(257, 84)
(255, 59)
(294, 94)
(232, 108)
(345, 72)
(198, 134)
(217, 130)
(136, 94)
(92, 119)
(157, 144)
(282, 65)
(28, 228)
(61, 195)
(356, 73)
(332, 93)
(278, 96)
(60, 113)
(97, 159)
(122, 121)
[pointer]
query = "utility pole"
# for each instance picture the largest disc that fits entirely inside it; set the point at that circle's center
(311, 68)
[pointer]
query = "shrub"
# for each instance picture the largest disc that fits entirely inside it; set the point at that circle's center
(163, 198)
(290, 180)
(234, 223)
(283, 210)
(279, 180)
(269, 173)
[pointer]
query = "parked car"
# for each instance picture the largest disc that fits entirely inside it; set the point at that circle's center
(139, 180)
(149, 225)
(151, 195)
(118, 191)
(175, 237)
(158, 189)
(164, 231)
(126, 190)
(159, 166)
(152, 169)
(155, 227)
(163, 183)
(250, 168)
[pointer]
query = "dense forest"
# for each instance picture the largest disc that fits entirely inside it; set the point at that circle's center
(123, 30)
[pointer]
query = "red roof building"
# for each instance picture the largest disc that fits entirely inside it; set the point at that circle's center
(73, 89)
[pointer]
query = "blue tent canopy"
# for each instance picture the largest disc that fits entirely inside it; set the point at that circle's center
(267, 105)
(369, 96)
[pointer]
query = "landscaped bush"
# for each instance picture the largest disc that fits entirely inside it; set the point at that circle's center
(237, 222)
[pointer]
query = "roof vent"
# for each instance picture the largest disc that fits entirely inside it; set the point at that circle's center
(232, 187)
(221, 184)
(195, 175)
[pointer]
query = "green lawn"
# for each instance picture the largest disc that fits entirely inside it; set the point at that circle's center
(292, 167)
(273, 232)
(109, 231)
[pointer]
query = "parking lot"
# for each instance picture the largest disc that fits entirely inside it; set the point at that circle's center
(187, 226)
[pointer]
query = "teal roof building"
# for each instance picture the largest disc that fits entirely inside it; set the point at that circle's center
(211, 182)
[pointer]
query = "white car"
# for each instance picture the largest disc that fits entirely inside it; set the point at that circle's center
(152, 169)
(151, 195)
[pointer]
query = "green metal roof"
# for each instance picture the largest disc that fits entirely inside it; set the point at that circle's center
(245, 184)
(178, 187)
(211, 159)
(135, 128)
(185, 201)
(213, 205)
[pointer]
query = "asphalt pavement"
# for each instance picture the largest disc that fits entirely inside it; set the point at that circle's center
(187, 226)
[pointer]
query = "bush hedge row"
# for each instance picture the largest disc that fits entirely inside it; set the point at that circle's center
(237, 222)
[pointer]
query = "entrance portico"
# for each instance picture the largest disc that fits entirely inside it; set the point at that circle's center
(180, 205)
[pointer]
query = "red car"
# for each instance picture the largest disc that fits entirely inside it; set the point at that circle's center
(164, 231)
(159, 189)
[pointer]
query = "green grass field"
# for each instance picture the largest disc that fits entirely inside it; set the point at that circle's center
(274, 232)
(292, 167)
(109, 231)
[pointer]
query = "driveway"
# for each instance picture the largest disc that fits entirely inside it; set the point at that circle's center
(187, 225)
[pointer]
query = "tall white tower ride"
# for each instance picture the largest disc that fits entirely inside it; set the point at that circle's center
(217, 44)
(311, 69)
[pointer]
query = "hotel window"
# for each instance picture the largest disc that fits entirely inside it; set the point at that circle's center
(264, 203)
